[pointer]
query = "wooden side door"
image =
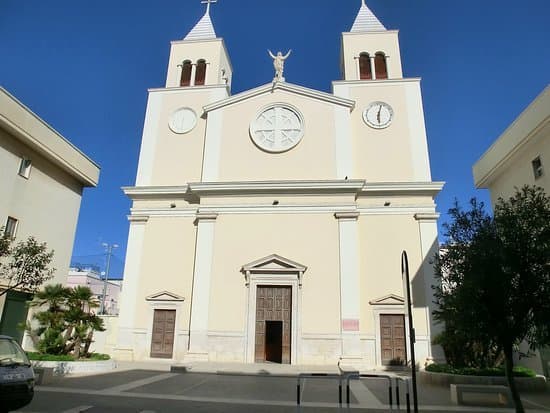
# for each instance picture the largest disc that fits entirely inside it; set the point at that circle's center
(273, 304)
(162, 342)
(392, 330)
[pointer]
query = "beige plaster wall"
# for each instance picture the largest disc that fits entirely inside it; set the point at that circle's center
(354, 44)
(313, 158)
(167, 265)
(386, 155)
(518, 170)
(309, 239)
(178, 158)
(46, 204)
(382, 240)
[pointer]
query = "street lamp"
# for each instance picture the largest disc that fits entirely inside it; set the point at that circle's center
(408, 311)
(109, 250)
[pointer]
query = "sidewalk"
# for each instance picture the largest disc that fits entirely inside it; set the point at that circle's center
(430, 397)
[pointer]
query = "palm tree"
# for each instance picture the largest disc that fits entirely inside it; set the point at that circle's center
(82, 319)
(52, 321)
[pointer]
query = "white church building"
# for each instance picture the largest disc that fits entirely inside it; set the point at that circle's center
(268, 226)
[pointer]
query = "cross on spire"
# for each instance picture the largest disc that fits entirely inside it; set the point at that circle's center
(208, 2)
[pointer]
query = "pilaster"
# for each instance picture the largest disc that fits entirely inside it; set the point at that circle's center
(429, 244)
(198, 331)
(129, 296)
(350, 308)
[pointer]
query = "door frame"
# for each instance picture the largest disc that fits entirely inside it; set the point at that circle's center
(163, 301)
(272, 280)
(272, 271)
(389, 310)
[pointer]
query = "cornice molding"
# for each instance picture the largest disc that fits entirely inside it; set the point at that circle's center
(347, 215)
(427, 216)
(402, 188)
(276, 187)
(375, 81)
(138, 219)
(286, 87)
(193, 192)
(187, 89)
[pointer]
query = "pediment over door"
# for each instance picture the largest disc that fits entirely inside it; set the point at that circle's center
(165, 296)
(390, 299)
(273, 264)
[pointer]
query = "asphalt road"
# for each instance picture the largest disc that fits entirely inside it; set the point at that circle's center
(142, 391)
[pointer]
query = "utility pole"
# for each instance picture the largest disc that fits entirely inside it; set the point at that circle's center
(408, 312)
(109, 250)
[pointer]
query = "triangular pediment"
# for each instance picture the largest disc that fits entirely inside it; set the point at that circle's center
(280, 86)
(164, 296)
(274, 263)
(390, 299)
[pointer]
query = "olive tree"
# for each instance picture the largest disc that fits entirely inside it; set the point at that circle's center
(24, 266)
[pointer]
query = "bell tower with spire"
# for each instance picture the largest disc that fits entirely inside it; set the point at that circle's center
(369, 50)
(200, 59)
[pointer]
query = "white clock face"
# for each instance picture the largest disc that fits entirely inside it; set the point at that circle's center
(183, 120)
(378, 115)
(277, 128)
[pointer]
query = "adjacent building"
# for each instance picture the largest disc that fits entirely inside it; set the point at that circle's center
(42, 176)
(520, 156)
(268, 226)
(95, 280)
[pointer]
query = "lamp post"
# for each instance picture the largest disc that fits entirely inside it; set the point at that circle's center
(109, 250)
(408, 311)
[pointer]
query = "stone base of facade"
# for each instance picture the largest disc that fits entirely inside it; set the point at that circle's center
(196, 357)
(123, 354)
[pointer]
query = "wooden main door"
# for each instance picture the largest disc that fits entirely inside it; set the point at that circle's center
(273, 324)
(162, 342)
(392, 329)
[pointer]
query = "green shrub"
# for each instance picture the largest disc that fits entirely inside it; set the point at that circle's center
(49, 357)
(472, 371)
(65, 357)
(99, 356)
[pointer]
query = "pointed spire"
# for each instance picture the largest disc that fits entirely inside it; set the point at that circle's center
(366, 21)
(204, 29)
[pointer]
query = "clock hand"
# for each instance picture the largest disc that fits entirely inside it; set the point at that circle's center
(378, 115)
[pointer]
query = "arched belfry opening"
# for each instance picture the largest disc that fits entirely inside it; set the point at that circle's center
(381, 65)
(186, 70)
(365, 69)
(273, 304)
(200, 76)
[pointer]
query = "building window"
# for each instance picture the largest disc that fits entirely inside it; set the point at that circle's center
(538, 170)
(25, 167)
(11, 227)
(381, 66)
(365, 70)
(200, 76)
(186, 69)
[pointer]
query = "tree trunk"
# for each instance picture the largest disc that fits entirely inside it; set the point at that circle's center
(77, 348)
(509, 353)
(88, 342)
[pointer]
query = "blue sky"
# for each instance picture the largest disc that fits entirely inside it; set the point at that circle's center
(85, 67)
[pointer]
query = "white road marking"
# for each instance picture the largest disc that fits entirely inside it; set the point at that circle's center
(363, 395)
(142, 382)
(78, 409)
(535, 404)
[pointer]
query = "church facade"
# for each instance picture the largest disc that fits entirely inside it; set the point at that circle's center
(268, 226)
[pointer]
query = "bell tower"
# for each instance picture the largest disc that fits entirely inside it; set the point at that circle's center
(201, 58)
(369, 50)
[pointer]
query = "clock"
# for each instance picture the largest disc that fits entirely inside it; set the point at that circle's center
(182, 120)
(277, 128)
(378, 115)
